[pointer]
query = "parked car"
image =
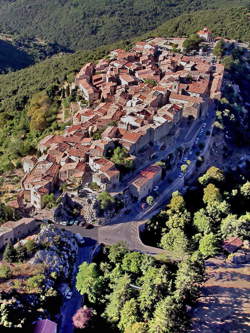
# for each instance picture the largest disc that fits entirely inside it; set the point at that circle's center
(80, 239)
(63, 222)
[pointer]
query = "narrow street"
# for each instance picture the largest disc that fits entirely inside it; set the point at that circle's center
(70, 306)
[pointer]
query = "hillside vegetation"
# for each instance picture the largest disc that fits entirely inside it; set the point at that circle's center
(226, 22)
(17, 138)
(84, 24)
(18, 53)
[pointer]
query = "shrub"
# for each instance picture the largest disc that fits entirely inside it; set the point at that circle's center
(5, 271)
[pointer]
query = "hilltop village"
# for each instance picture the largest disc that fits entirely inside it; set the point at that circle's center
(138, 103)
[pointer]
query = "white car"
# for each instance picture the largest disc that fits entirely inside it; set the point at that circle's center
(80, 239)
(68, 295)
(63, 223)
(156, 188)
(180, 175)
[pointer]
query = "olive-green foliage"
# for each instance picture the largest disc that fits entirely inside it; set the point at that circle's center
(226, 22)
(237, 227)
(19, 52)
(7, 213)
(41, 112)
(202, 222)
(88, 24)
(211, 195)
(245, 190)
(117, 252)
(192, 43)
(88, 281)
(208, 245)
(35, 281)
(212, 175)
(5, 271)
(137, 328)
(117, 299)
(168, 317)
(121, 158)
(10, 254)
(132, 262)
(105, 200)
(175, 241)
(49, 200)
(219, 48)
(129, 314)
(30, 246)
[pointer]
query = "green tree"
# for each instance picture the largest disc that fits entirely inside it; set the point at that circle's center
(21, 253)
(122, 158)
(218, 50)
(245, 190)
(129, 314)
(217, 210)
(35, 281)
(49, 200)
(5, 271)
(175, 241)
(30, 246)
(132, 262)
(211, 195)
(208, 245)
(138, 327)
(118, 297)
(213, 175)
(202, 222)
(237, 227)
(169, 317)
(117, 252)
(188, 278)
(192, 43)
(177, 203)
(89, 282)
(105, 200)
(150, 200)
(228, 62)
(154, 284)
(184, 168)
(9, 253)
(179, 220)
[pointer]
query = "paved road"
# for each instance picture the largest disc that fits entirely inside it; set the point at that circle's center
(71, 306)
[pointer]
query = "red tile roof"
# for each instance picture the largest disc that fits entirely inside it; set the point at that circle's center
(45, 326)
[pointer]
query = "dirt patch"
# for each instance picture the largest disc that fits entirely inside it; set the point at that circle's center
(224, 305)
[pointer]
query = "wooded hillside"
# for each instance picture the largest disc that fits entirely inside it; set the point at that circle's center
(85, 24)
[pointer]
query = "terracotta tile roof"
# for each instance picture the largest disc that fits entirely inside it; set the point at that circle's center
(232, 244)
(198, 87)
(45, 326)
(132, 137)
(184, 98)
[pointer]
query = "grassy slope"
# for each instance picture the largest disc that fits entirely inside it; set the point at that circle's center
(85, 24)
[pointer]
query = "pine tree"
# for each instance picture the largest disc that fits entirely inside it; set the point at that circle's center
(9, 254)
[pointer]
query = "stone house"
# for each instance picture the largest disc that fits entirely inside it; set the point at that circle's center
(28, 163)
(15, 230)
(143, 184)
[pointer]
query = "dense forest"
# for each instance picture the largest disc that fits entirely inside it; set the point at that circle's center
(234, 25)
(17, 53)
(84, 24)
